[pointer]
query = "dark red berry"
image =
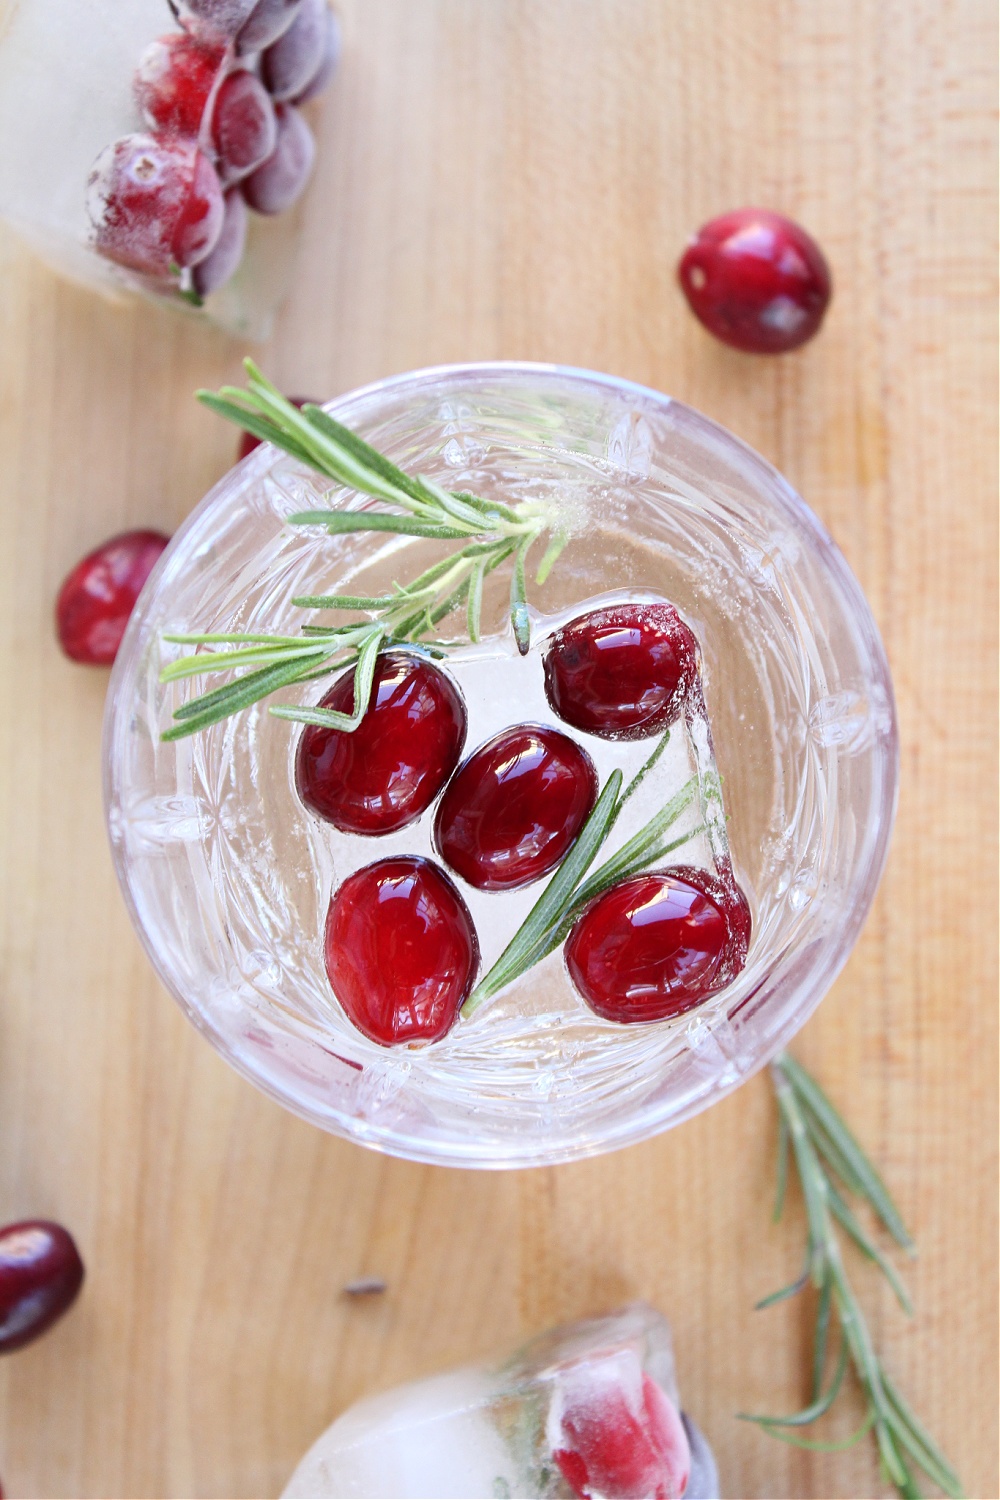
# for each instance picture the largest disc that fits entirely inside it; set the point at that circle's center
(215, 270)
(217, 21)
(97, 597)
(40, 1275)
(173, 81)
(656, 945)
(756, 280)
(248, 442)
(276, 184)
(623, 672)
(327, 64)
(290, 63)
(401, 950)
(618, 1437)
(512, 810)
(389, 770)
(244, 126)
(268, 20)
(155, 206)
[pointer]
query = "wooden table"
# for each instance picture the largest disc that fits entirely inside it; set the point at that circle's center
(516, 178)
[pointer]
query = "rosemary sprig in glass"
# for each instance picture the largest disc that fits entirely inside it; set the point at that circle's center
(490, 534)
(831, 1166)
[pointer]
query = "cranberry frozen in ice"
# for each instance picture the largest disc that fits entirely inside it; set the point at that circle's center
(155, 206)
(328, 61)
(244, 126)
(658, 944)
(756, 280)
(267, 21)
(401, 950)
(621, 672)
(512, 810)
(97, 597)
(292, 62)
(40, 1275)
(385, 773)
(173, 80)
(221, 265)
(615, 1434)
(279, 181)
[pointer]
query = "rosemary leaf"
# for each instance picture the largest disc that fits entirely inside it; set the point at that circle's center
(328, 718)
(813, 1412)
(782, 1295)
(339, 521)
(846, 1218)
(235, 696)
(341, 601)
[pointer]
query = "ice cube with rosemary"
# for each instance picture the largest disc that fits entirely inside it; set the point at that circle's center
(585, 821)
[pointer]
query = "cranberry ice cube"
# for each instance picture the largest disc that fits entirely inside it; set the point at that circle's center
(615, 1435)
(217, 268)
(290, 63)
(173, 80)
(155, 206)
(278, 182)
(244, 126)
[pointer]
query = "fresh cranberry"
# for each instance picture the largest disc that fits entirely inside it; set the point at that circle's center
(244, 126)
(276, 184)
(290, 63)
(615, 1434)
(388, 771)
(155, 206)
(622, 672)
(327, 64)
(173, 81)
(40, 1275)
(216, 269)
(98, 596)
(656, 945)
(513, 809)
(401, 950)
(248, 442)
(756, 280)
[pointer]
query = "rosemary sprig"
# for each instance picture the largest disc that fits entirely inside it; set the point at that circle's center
(491, 533)
(548, 923)
(824, 1149)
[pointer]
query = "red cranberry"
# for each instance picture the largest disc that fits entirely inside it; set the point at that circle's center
(97, 597)
(40, 1275)
(327, 64)
(268, 20)
(656, 945)
(621, 673)
(217, 21)
(216, 269)
(389, 770)
(173, 81)
(618, 1437)
(401, 950)
(155, 206)
(290, 63)
(244, 127)
(756, 280)
(276, 184)
(248, 442)
(511, 812)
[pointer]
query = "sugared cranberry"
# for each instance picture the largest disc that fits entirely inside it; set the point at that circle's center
(97, 597)
(244, 126)
(268, 20)
(248, 442)
(40, 1275)
(215, 270)
(155, 206)
(401, 950)
(615, 1434)
(621, 672)
(327, 64)
(756, 280)
(656, 945)
(389, 770)
(512, 810)
(293, 60)
(173, 81)
(276, 184)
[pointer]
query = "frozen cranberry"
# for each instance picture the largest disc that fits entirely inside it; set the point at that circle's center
(290, 63)
(214, 20)
(268, 20)
(248, 442)
(621, 673)
(614, 1434)
(215, 270)
(244, 126)
(328, 62)
(154, 205)
(657, 944)
(276, 184)
(173, 81)
(97, 597)
(40, 1275)
(756, 280)
(401, 950)
(389, 770)
(512, 810)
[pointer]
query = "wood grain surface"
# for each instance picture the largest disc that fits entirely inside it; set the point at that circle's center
(515, 179)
